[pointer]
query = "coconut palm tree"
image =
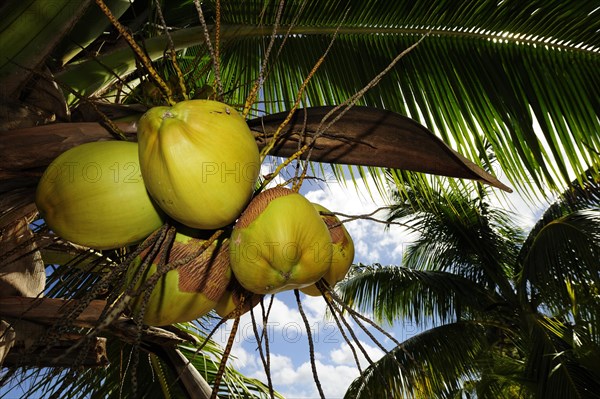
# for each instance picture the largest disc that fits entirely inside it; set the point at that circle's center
(504, 314)
(521, 79)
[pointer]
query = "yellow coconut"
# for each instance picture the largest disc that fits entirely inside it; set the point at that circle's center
(343, 251)
(94, 195)
(186, 292)
(279, 243)
(199, 160)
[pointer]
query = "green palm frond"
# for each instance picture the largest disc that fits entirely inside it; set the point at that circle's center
(552, 361)
(431, 364)
(486, 74)
(562, 251)
(424, 296)
(459, 233)
(500, 377)
(583, 193)
(565, 251)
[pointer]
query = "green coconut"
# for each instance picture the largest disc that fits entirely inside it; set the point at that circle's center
(186, 292)
(199, 160)
(343, 251)
(94, 195)
(279, 243)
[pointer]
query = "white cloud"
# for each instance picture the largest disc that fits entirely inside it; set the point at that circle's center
(314, 306)
(334, 379)
(298, 382)
(373, 243)
(244, 359)
(343, 355)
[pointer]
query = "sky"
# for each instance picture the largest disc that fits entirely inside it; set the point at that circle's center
(289, 350)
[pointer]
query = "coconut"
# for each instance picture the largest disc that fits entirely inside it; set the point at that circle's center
(279, 243)
(199, 160)
(94, 195)
(188, 291)
(343, 251)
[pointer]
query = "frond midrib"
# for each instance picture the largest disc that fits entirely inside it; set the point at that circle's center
(235, 31)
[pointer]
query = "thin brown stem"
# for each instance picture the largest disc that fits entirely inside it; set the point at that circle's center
(334, 314)
(211, 50)
(355, 314)
(264, 360)
(224, 358)
(217, 59)
(146, 62)
(261, 74)
(172, 52)
(311, 346)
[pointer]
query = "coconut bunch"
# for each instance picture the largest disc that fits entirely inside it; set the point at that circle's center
(195, 166)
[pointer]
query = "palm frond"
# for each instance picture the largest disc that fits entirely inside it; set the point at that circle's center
(393, 292)
(520, 78)
(582, 193)
(551, 360)
(459, 233)
(562, 249)
(426, 365)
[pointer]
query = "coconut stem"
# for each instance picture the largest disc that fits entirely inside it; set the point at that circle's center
(261, 74)
(172, 53)
(213, 53)
(138, 51)
(224, 358)
(311, 345)
(334, 311)
(265, 359)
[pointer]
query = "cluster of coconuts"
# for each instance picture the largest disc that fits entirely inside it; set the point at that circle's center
(195, 163)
